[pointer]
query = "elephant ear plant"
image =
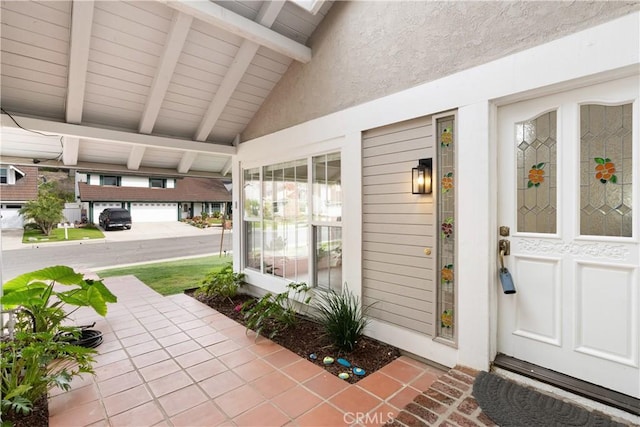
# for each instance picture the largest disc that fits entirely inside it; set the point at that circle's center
(35, 359)
(37, 292)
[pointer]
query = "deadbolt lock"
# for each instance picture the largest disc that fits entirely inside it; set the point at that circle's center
(504, 230)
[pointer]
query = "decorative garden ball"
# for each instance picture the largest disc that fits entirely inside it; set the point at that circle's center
(327, 360)
(343, 376)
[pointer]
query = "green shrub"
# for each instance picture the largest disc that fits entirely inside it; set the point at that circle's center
(34, 363)
(342, 317)
(224, 283)
(275, 313)
(35, 292)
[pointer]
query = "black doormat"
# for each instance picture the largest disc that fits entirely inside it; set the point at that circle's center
(510, 404)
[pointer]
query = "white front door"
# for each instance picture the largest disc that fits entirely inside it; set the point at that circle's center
(568, 190)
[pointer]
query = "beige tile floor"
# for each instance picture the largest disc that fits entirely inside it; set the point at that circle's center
(173, 361)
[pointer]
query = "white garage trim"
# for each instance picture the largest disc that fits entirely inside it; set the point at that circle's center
(154, 212)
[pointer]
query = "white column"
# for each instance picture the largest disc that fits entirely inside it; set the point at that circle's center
(475, 184)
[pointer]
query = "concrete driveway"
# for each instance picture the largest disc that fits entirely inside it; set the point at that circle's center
(12, 239)
(158, 230)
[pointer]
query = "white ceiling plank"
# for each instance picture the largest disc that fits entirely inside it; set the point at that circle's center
(70, 150)
(236, 24)
(81, 21)
(266, 16)
(135, 157)
(173, 48)
(186, 162)
(112, 135)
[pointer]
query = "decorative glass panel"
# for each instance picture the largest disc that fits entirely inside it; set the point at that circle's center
(606, 170)
(537, 174)
(446, 217)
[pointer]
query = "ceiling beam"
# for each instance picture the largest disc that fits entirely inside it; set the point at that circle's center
(186, 161)
(109, 168)
(135, 157)
(70, 150)
(81, 21)
(112, 135)
(229, 163)
(180, 26)
(214, 14)
(266, 16)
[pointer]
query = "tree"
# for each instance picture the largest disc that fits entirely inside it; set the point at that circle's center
(46, 210)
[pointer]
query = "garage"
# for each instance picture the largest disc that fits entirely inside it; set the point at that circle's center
(154, 212)
(98, 207)
(10, 218)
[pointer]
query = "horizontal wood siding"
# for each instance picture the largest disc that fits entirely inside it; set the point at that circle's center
(398, 278)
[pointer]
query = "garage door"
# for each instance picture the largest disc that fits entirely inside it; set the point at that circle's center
(10, 219)
(154, 212)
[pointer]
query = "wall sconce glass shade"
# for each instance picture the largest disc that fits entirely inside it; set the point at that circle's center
(421, 177)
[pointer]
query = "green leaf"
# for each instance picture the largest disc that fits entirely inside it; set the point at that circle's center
(599, 160)
(74, 297)
(60, 274)
(614, 179)
(607, 160)
(28, 296)
(529, 184)
(540, 165)
(102, 289)
(97, 302)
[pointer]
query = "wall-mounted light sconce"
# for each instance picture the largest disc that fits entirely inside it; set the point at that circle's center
(421, 177)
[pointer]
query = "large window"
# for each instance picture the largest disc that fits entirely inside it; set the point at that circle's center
(283, 235)
(327, 215)
(4, 176)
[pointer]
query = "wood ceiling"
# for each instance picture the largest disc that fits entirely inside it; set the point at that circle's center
(161, 87)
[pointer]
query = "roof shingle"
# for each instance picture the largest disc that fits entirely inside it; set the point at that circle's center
(187, 189)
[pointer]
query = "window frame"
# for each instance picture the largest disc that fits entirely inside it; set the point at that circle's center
(162, 181)
(118, 180)
(258, 171)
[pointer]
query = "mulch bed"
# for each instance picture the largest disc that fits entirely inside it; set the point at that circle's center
(39, 417)
(307, 337)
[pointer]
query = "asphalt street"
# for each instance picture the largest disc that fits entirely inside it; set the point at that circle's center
(88, 255)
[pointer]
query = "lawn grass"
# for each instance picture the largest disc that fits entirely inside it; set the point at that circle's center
(57, 235)
(172, 277)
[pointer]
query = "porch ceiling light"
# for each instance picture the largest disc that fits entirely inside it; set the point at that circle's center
(421, 177)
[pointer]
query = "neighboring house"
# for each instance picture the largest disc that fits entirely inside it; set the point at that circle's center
(17, 186)
(152, 199)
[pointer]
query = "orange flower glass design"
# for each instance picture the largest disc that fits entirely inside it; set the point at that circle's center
(447, 182)
(446, 318)
(447, 273)
(536, 175)
(605, 170)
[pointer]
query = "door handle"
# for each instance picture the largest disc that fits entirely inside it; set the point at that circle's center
(504, 246)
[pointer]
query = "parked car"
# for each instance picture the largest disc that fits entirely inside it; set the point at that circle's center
(115, 217)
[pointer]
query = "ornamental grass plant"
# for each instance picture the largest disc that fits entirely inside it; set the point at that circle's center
(342, 317)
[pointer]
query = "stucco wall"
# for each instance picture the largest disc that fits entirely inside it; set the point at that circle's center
(364, 50)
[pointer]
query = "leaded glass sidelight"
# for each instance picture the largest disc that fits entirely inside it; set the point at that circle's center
(536, 145)
(606, 170)
(446, 217)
